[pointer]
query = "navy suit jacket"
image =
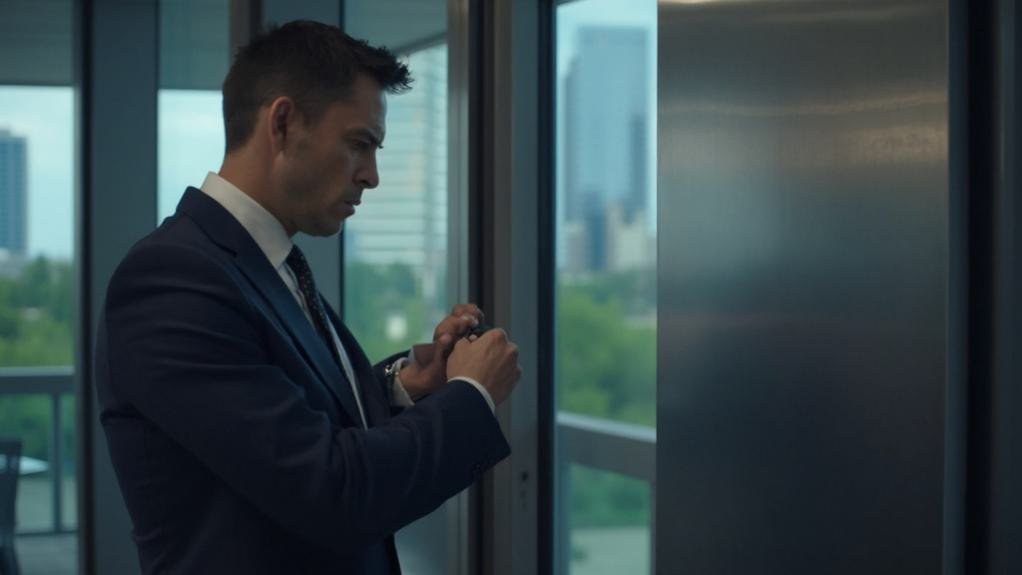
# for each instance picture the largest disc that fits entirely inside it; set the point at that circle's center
(235, 436)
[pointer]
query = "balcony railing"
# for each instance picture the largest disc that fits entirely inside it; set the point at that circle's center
(622, 448)
(605, 445)
(54, 382)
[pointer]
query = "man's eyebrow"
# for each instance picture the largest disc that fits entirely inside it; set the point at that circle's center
(369, 135)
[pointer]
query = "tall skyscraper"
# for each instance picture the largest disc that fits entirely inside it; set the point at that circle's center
(13, 194)
(606, 110)
(404, 221)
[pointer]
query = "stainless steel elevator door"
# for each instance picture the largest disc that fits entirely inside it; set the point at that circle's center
(802, 200)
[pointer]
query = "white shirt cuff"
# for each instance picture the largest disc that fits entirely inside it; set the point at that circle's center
(399, 395)
(482, 390)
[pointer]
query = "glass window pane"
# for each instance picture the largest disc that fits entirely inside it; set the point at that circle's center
(606, 212)
(610, 523)
(194, 58)
(396, 247)
(395, 274)
(36, 225)
(190, 139)
(605, 276)
(28, 418)
(37, 281)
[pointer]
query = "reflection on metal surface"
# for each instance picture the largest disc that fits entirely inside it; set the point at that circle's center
(889, 102)
(803, 190)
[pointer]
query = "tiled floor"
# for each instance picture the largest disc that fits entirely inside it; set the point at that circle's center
(47, 554)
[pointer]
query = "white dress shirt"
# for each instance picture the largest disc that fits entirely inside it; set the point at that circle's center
(271, 237)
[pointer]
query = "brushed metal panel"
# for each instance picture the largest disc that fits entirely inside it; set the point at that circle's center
(803, 194)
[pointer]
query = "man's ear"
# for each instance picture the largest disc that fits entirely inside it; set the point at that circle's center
(282, 115)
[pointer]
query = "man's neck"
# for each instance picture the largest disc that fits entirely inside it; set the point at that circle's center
(254, 184)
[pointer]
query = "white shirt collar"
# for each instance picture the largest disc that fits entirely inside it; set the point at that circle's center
(263, 226)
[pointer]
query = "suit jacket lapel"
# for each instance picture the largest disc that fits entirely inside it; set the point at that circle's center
(226, 231)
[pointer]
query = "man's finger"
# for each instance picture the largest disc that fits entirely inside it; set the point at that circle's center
(468, 309)
(497, 334)
(423, 353)
(441, 351)
(445, 345)
(456, 326)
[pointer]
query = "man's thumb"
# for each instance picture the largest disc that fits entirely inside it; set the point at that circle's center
(443, 347)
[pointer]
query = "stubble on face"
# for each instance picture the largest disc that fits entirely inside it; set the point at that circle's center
(324, 172)
(311, 182)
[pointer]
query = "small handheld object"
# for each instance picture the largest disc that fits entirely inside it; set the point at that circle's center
(422, 353)
(479, 330)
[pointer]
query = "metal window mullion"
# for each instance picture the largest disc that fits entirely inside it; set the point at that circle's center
(116, 206)
(246, 19)
(550, 528)
(458, 39)
(56, 457)
(509, 262)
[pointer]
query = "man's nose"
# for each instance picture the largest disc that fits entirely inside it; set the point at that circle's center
(368, 177)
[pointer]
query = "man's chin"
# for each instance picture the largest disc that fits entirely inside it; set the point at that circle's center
(326, 229)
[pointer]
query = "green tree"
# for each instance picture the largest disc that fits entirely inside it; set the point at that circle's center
(377, 294)
(606, 359)
(35, 315)
(35, 330)
(606, 367)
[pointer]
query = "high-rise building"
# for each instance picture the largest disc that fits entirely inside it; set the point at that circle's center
(606, 110)
(404, 221)
(13, 194)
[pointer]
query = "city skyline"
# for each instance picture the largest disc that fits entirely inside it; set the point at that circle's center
(404, 220)
(606, 136)
(605, 187)
(46, 116)
(573, 17)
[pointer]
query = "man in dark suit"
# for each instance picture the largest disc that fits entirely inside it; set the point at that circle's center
(249, 432)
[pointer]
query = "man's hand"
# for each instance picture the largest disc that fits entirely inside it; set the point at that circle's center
(463, 318)
(491, 359)
(427, 372)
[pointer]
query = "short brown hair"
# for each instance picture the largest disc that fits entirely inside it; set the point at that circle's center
(313, 63)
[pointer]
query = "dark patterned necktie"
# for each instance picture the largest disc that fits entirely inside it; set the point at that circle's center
(296, 260)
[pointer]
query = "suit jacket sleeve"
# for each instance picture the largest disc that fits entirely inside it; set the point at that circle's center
(185, 350)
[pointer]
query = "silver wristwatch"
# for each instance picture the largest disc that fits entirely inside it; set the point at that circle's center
(391, 371)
